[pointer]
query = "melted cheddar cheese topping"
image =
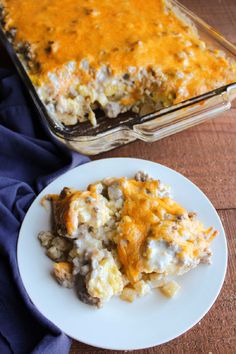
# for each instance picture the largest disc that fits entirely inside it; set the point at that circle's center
(120, 34)
(140, 212)
(146, 216)
(123, 237)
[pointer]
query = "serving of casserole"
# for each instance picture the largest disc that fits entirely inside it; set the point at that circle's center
(123, 237)
(113, 56)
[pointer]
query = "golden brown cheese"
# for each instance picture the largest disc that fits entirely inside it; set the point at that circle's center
(146, 215)
(141, 211)
(120, 34)
(143, 216)
(65, 211)
(61, 267)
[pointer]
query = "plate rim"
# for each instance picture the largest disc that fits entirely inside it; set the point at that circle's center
(203, 314)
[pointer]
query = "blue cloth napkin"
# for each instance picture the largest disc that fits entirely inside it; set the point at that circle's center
(30, 158)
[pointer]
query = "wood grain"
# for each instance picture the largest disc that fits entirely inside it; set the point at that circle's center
(207, 155)
(220, 14)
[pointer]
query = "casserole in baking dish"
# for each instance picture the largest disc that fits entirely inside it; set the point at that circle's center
(102, 58)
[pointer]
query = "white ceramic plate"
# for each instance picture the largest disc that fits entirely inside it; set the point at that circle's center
(147, 322)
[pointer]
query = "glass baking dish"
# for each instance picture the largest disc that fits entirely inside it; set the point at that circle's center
(113, 132)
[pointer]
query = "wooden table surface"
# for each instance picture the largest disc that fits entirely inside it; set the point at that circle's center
(207, 155)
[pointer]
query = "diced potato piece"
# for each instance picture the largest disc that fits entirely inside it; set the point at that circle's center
(142, 288)
(170, 289)
(63, 273)
(128, 294)
(105, 279)
(63, 266)
(157, 280)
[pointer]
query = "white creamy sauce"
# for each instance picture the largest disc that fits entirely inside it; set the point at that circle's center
(87, 243)
(162, 256)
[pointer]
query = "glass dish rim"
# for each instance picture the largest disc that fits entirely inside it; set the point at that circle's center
(70, 134)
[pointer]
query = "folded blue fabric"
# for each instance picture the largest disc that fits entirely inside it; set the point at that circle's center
(30, 158)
